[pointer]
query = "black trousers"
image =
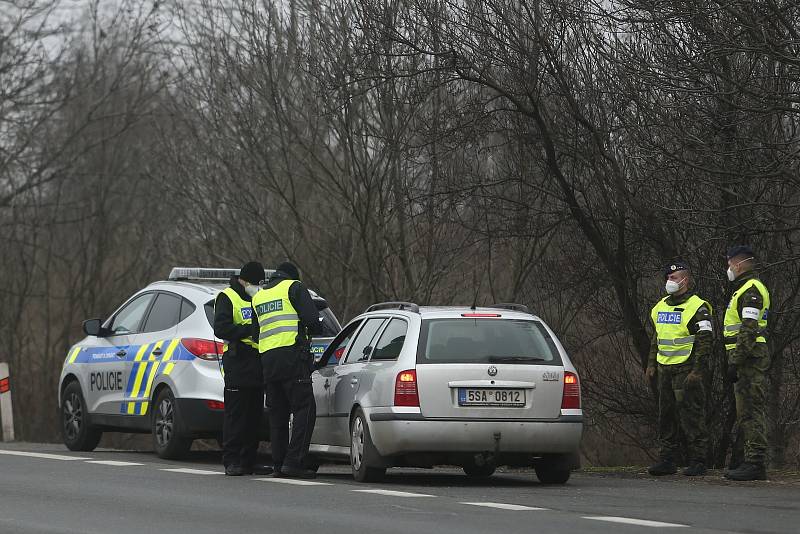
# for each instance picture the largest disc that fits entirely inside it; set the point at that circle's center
(291, 397)
(243, 409)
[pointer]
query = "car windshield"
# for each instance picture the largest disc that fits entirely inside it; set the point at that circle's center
(467, 340)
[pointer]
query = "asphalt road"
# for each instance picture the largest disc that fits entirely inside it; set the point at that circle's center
(45, 488)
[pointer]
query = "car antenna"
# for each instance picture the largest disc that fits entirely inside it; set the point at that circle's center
(477, 290)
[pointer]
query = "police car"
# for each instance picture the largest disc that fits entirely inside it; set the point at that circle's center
(155, 366)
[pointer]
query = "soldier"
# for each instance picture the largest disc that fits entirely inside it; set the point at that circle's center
(748, 361)
(678, 354)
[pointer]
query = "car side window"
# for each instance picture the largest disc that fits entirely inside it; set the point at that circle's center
(339, 345)
(361, 347)
(164, 314)
(391, 342)
(187, 308)
(129, 318)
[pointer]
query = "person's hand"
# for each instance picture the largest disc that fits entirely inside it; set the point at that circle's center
(733, 373)
(694, 377)
(650, 372)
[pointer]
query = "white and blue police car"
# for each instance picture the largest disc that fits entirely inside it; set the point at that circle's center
(154, 366)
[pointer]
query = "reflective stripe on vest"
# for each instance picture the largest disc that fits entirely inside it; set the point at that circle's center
(242, 314)
(278, 322)
(675, 343)
(733, 321)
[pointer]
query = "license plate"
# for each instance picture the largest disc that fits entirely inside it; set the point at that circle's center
(491, 397)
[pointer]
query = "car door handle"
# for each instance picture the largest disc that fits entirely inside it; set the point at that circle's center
(121, 353)
(157, 352)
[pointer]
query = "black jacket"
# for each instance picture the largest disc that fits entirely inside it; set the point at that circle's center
(288, 363)
(241, 362)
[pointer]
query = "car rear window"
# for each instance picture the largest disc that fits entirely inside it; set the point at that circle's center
(470, 340)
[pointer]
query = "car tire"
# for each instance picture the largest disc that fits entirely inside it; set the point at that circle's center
(473, 470)
(552, 474)
(76, 430)
(166, 427)
(364, 458)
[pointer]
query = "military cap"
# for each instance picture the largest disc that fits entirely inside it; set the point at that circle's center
(740, 250)
(675, 266)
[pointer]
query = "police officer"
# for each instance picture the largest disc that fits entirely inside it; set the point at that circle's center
(679, 353)
(244, 389)
(285, 318)
(745, 331)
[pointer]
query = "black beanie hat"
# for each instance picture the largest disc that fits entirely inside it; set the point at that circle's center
(252, 272)
(289, 270)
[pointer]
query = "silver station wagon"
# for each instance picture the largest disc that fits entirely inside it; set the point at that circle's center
(404, 385)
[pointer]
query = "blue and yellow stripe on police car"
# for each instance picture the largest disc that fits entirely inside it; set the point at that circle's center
(154, 372)
(73, 355)
(144, 374)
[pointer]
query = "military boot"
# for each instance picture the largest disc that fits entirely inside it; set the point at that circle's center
(747, 471)
(664, 467)
(695, 469)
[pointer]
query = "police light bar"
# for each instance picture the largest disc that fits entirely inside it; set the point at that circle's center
(208, 274)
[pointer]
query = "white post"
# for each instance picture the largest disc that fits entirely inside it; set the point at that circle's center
(6, 412)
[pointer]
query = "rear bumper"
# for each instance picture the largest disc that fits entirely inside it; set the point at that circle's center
(403, 433)
(199, 421)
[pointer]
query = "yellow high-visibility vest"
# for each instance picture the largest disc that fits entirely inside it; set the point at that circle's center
(242, 315)
(733, 321)
(675, 342)
(278, 322)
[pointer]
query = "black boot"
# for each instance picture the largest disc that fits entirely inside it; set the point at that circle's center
(747, 471)
(664, 467)
(297, 472)
(234, 470)
(695, 469)
(257, 469)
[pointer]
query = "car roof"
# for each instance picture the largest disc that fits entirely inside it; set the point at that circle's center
(210, 288)
(454, 312)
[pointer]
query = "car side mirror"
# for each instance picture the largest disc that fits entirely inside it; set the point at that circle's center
(367, 350)
(93, 327)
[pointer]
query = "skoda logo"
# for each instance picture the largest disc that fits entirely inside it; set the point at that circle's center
(492, 370)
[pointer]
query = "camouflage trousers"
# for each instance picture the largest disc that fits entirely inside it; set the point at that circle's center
(751, 410)
(681, 406)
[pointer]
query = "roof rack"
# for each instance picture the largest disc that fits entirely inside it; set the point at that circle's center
(410, 306)
(511, 306)
(207, 274)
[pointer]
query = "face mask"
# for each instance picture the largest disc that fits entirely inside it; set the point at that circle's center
(731, 274)
(251, 290)
(672, 286)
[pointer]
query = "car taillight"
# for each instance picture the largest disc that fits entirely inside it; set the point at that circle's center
(205, 349)
(571, 399)
(215, 405)
(405, 389)
(338, 353)
(481, 315)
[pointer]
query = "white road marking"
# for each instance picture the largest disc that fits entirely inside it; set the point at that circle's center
(112, 462)
(44, 455)
(391, 493)
(193, 471)
(503, 506)
(294, 481)
(639, 522)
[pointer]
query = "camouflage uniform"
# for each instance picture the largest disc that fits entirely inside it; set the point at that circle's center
(682, 405)
(752, 361)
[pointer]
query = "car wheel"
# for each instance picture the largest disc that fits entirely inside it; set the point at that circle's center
(363, 456)
(485, 470)
(167, 440)
(552, 474)
(77, 432)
